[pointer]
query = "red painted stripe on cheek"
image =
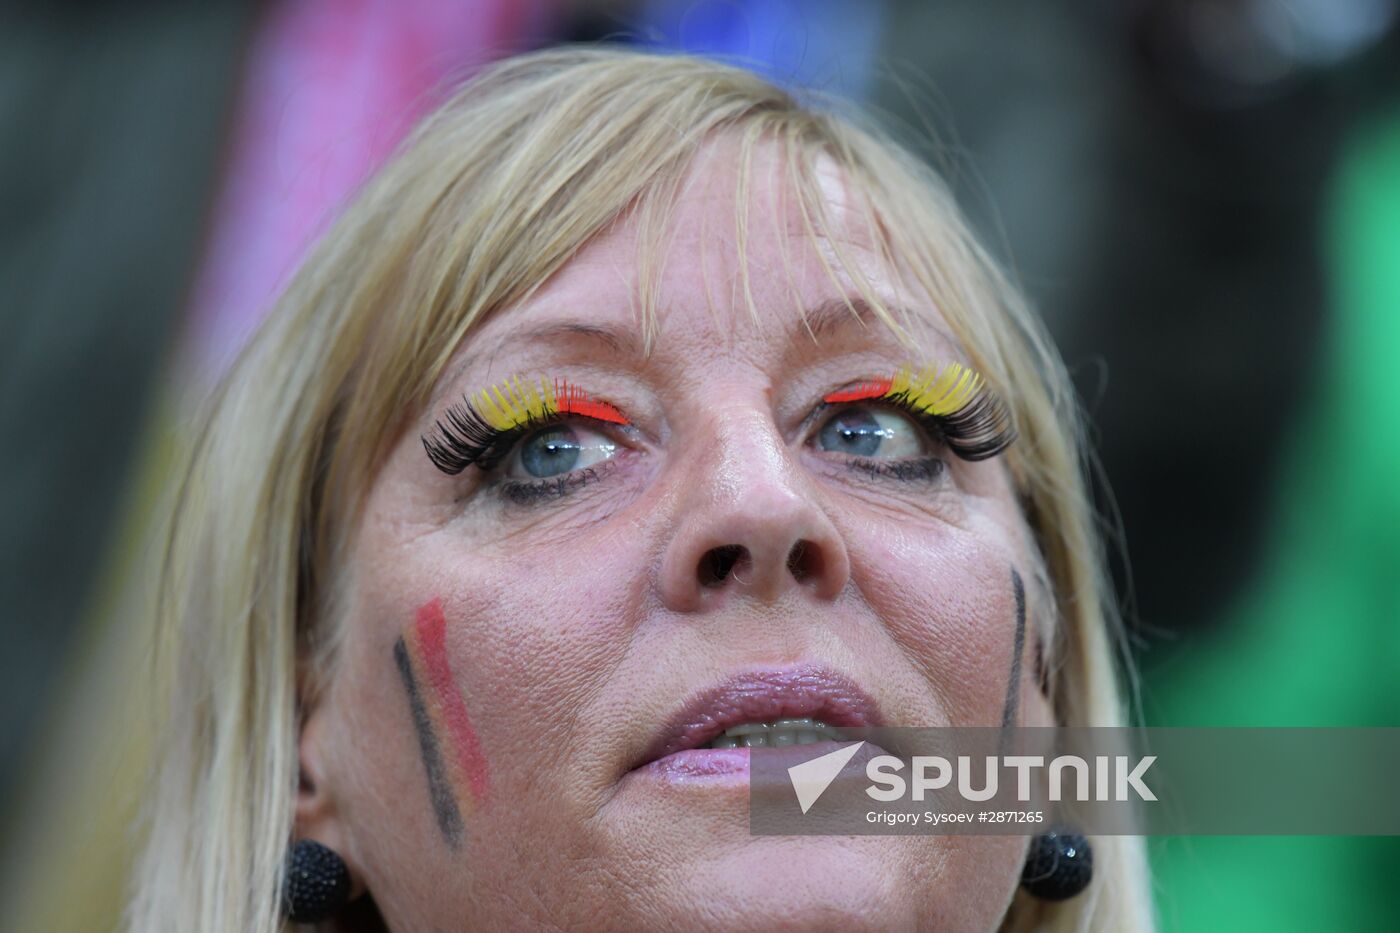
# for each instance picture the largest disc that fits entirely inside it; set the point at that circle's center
(432, 640)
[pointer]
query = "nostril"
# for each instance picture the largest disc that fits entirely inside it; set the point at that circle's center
(804, 561)
(719, 563)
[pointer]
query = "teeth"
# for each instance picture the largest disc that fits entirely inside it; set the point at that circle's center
(775, 734)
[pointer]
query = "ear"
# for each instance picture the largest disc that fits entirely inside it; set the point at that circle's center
(319, 813)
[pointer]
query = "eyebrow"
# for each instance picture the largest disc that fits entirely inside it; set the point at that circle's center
(824, 319)
(837, 314)
(621, 342)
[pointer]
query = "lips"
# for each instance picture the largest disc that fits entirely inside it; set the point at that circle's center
(758, 696)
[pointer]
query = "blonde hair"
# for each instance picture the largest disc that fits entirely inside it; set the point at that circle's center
(491, 194)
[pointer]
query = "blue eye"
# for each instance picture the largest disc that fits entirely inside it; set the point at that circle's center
(558, 449)
(870, 432)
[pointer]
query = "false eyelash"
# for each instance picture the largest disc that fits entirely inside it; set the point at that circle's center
(462, 438)
(481, 433)
(953, 402)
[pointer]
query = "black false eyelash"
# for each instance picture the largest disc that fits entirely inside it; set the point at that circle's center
(462, 438)
(979, 430)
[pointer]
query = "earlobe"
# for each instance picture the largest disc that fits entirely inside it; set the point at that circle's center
(317, 813)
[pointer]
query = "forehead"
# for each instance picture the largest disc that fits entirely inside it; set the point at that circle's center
(744, 270)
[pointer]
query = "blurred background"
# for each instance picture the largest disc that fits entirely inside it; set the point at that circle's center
(1202, 197)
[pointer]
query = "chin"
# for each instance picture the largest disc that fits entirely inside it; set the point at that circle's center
(821, 882)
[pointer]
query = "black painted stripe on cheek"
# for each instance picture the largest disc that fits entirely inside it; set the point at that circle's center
(1013, 684)
(449, 818)
(1042, 673)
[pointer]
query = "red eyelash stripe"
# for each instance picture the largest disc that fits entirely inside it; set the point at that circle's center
(572, 400)
(877, 389)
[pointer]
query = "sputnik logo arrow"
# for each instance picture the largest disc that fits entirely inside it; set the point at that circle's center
(811, 778)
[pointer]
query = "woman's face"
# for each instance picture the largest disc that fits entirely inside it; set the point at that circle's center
(532, 653)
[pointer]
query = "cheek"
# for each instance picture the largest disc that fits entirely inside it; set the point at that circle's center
(946, 596)
(526, 637)
(457, 776)
(459, 679)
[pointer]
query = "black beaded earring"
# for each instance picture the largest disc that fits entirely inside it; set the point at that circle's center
(316, 883)
(1059, 865)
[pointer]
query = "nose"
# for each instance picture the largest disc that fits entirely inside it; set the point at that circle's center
(748, 524)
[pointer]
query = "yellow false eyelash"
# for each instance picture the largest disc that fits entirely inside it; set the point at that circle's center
(934, 390)
(516, 402)
(938, 391)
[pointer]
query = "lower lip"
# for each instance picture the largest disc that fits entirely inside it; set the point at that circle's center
(726, 765)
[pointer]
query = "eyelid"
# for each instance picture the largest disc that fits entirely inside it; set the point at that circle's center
(935, 390)
(516, 402)
(953, 401)
(481, 431)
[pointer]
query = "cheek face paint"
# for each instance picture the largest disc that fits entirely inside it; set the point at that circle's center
(1042, 674)
(449, 818)
(1013, 684)
(452, 759)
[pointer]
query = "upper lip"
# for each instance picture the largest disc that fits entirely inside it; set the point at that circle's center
(761, 696)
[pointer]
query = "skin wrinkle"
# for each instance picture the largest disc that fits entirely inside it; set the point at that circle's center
(570, 648)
